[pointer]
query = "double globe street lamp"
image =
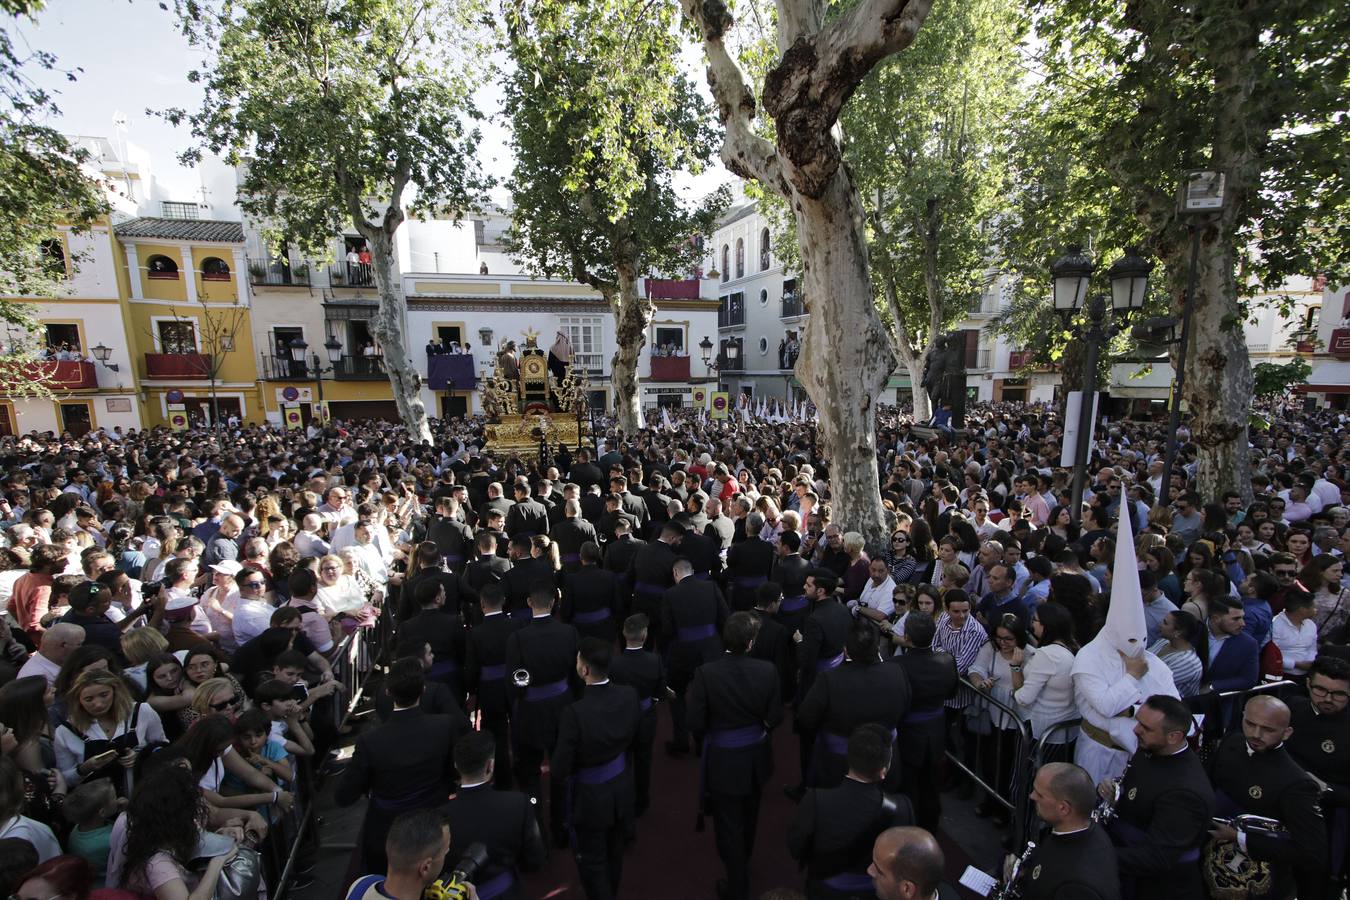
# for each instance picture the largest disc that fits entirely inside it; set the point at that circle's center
(1071, 276)
(312, 365)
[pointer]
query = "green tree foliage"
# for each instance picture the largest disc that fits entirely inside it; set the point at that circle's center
(1143, 92)
(46, 186)
(1275, 380)
(928, 139)
(603, 118)
(347, 113)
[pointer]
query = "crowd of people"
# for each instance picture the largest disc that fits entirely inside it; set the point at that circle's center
(175, 601)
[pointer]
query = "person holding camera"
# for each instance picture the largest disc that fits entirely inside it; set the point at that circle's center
(417, 845)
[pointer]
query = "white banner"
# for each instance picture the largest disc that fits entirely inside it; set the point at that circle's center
(1069, 452)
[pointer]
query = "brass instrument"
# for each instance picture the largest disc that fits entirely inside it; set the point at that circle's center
(1105, 810)
(1231, 874)
(1011, 889)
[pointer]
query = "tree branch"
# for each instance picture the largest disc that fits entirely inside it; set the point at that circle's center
(744, 153)
(797, 18)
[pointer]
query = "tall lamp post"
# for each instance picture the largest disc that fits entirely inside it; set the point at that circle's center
(1071, 275)
(313, 367)
(705, 347)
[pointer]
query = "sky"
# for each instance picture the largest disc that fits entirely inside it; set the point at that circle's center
(133, 58)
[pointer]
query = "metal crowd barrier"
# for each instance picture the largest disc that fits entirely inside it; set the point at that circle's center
(353, 662)
(1017, 798)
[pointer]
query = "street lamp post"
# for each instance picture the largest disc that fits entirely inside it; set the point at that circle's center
(315, 368)
(733, 351)
(1071, 276)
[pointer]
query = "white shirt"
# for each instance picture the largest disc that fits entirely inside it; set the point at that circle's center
(1047, 691)
(307, 544)
(1297, 644)
(70, 746)
(877, 596)
(251, 618)
(38, 664)
(35, 833)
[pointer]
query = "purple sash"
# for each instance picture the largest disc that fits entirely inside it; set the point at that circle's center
(492, 673)
(695, 632)
(1131, 836)
(824, 665)
(919, 716)
(750, 582)
(645, 703)
(567, 558)
(849, 882)
(495, 887)
(647, 587)
(591, 616)
(793, 604)
(546, 691)
(603, 772)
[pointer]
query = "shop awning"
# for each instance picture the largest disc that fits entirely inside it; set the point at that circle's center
(1329, 377)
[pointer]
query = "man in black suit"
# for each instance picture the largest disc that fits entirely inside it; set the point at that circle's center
(701, 551)
(692, 615)
(836, 827)
(656, 498)
(592, 506)
(527, 570)
(651, 573)
(774, 642)
(543, 654)
(1163, 806)
(453, 539)
(585, 472)
(860, 692)
(697, 519)
(527, 516)
(1074, 857)
(494, 523)
(595, 736)
(442, 629)
(629, 502)
(608, 525)
(907, 864)
(733, 706)
(749, 564)
(820, 647)
(643, 671)
(620, 551)
(436, 697)
(495, 501)
(485, 674)
(570, 533)
(922, 735)
(503, 821)
(790, 571)
(404, 764)
(487, 568)
(590, 596)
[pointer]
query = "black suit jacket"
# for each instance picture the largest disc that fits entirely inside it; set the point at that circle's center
(842, 699)
(453, 539)
(823, 635)
(703, 553)
(504, 822)
(774, 644)
(836, 827)
(594, 730)
(547, 649)
(436, 701)
(482, 571)
(501, 504)
(569, 535)
(692, 604)
(735, 691)
(632, 504)
(405, 761)
(486, 649)
(586, 474)
(524, 573)
(643, 671)
(932, 682)
(527, 517)
(590, 590)
(619, 553)
(440, 628)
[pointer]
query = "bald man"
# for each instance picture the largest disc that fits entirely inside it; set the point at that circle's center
(907, 864)
(1074, 859)
(1254, 774)
(58, 642)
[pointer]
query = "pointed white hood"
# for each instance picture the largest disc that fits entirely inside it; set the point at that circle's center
(1125, 628)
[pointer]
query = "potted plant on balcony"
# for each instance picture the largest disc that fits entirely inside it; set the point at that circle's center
(301, 273)
(257, 271)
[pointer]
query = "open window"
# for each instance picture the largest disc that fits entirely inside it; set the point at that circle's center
(53, 259)
(763, 249)
(161, 267)
(740, 257)
(177, 336)
(62, 336)
(215, 269)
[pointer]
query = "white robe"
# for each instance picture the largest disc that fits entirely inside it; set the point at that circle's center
(1102, 690)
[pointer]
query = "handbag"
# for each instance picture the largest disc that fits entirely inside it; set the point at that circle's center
(240, 878)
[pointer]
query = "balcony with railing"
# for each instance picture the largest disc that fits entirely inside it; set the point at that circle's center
(281, 368)
(277, 274)
(981, 359)
(62, 375)
(170, 366)
(353, 275)
(731, 312)
(359, 368)
(793, 306)
(670, 368)
(592, 363)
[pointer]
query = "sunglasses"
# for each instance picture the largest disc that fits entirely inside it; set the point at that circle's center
(252, 584)
(226, 704)
(899, 539)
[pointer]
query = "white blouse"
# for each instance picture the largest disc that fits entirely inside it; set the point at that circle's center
(69, 744)
(1046, 693)
(991, 664)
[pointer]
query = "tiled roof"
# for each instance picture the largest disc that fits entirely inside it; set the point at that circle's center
(182, 230)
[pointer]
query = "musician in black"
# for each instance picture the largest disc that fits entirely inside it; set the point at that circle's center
(643, 671)
(1321, 745)
(836, 827)
(907, 864)
(1162, 807)
(1074, 859)
(922, 735)
(1254, 774)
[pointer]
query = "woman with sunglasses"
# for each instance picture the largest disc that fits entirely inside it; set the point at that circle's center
(200, 669)
(900, 561)
(992, 674)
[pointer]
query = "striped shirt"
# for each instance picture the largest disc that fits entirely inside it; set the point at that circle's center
(1187, 671)
(964, 646)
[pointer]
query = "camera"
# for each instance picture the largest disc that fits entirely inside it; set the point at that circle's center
(454, 885)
